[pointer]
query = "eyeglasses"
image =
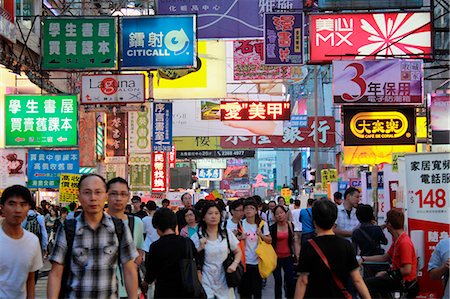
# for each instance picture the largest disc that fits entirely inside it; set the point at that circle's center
(121, 194)
(90, 193)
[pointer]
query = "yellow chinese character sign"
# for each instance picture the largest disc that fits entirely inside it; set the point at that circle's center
(68, 187)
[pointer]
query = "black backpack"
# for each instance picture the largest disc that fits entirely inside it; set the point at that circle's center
(32, 225)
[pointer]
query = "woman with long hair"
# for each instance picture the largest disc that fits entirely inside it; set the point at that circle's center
(251, 284)
(282, 233)
(191, 228)
(213, 240)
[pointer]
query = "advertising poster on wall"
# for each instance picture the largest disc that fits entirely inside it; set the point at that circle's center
(13, 165)
(427, 200)
(68, 187)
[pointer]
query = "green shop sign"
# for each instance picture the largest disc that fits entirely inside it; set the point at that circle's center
(41, 120)
(79, 43)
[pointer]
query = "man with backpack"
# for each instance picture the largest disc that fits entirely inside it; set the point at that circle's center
(118, 195)
(35, 223)
(88, 249)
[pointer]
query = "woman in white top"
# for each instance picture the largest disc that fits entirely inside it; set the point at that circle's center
(251, 284)
(214, 243)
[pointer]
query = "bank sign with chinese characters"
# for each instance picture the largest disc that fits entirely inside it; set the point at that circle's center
(378, 82)
(349, 36)
(159, 41)
(255, 111)
(79, 43)
(46, 166)
(40, 120)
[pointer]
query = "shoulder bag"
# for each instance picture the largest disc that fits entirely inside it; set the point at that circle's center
(190, 284)
(233, 278)
(267, 257)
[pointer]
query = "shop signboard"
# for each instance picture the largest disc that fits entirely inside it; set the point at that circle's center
(41, 120)
(210, 174)
(79, 43)
(391, 82)
(162, 127)
(115, 135)
(139, 126)
(388, 126)
(13, 165)
(112, 89)
(46, 166)
(140, 170)
(160, 173)
(68, 187)
(283, 38)
(212, 163)
(158, 42)
(227, 18)
(215, 154)
(350, 36)
(255, 110)
(427, 200)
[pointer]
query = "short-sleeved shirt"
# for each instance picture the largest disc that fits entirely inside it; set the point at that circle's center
(296, 220)
(151, 234)
(18, 257)
(94, 257)
(346, 222)
(306, 220)
(341, 258)
(368, 239)
(251, 242)
(440, 256)
(402, 253)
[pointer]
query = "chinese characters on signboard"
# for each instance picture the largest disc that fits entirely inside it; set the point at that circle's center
(369, 35)
(159, 41)
(68, 187)
(139, 127)
(140, 170)
(377, 127)
(79, 43)
(46, 166)
(377, 82)
(215, 154)
(210, 174)
(283, 40)
(35, 120)
(293, 137)
(160, 173)
(172, 157)
(255, 110)
(115, 134)
(162, 127)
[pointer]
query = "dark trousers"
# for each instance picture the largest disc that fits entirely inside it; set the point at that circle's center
(251, 283)
(287, 264)
(382, 287)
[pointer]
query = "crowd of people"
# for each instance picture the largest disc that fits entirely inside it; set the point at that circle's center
(207, 250)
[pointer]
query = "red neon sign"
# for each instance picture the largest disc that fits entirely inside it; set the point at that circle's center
(159, 172)
(255, 111)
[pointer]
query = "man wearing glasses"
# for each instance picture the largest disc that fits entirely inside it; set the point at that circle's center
(118, 196)
(89, 248)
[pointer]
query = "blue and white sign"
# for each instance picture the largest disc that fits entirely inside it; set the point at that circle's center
(46, 166)
(342, 186)
(209, 174)
(159, 41)
(162, 127)
(300, 121)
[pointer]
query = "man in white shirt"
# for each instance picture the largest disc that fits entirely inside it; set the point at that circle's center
(20, 250)
(346, 221)
(297, 227)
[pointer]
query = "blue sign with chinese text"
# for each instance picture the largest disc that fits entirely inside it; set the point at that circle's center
(46, 166)
(159, 41)
(209, 174)
(162, 127)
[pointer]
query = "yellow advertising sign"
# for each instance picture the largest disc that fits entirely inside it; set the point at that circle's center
(68, 187)
(421, 127)
(333, 174)
(201, 143)
(371, 155)
(286, 193)
(208, 82)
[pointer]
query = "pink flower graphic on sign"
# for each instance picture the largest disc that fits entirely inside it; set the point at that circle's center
(396, 36)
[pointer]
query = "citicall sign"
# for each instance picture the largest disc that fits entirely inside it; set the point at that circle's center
(353, 36)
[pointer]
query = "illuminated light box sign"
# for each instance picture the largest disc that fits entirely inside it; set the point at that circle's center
(41, 120)
(350, 36)
(379, 127)
(255, 111)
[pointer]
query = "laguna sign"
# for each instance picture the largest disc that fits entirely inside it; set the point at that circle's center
(113, 89)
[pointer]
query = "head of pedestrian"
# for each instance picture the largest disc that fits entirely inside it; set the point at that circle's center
(364, 213)
(352, 197)
(311, 201)
(324, 214)
(165, 203)
(63, 213)
(186, 200)
(272, 205)
(395, 220)
(337, 197)
(297, 203)
(136, 201)
(251, 211)
(164, 221)
(237, 209)
(211, 216)
(92, 193)
(258, 200)
(151, 206)
(280, 214)
(281, 201)
(191, 216)
(118, 194)
(15, 203)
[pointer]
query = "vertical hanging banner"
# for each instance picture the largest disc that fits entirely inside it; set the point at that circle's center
(112, 170)
(13, 165)
(115, 137)
(427, 195)
(172, 156)
(140, 171)
(162, 127)
(79, 43)
(160, 172)
(88, 129)
(139, 131)
(283, 38)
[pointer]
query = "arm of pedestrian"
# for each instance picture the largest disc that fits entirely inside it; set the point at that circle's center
(300, 289)
(54, 280)
(31, 285)
(406, 269)
(376, 258)
(359, 284)
(131, 278)
(237, 259)
(342, 233)
(438, 272)
(140, 257)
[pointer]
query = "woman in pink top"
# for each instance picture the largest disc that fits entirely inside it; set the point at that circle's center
(282, 233)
